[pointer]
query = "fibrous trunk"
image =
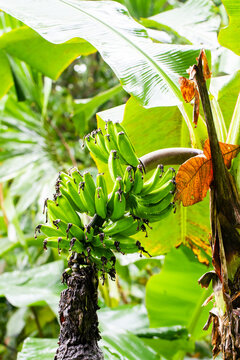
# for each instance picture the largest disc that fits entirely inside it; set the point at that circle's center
(79, 334)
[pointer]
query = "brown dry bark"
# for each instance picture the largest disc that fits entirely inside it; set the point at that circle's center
(79, 334)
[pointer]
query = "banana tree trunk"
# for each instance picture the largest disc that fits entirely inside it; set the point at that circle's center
(225, 241)
(79, 333)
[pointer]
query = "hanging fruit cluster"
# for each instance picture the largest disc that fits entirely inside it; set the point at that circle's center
(112, 218)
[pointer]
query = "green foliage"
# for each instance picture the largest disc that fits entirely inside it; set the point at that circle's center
(228, 36)
(193, 22)
(32, 287)
(40, 136)
(112, 218)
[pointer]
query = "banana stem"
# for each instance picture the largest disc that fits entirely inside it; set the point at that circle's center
(168, 156)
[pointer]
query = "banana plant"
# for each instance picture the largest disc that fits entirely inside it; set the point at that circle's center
(153, 67)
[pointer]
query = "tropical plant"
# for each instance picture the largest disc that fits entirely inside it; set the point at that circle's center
(150, 73)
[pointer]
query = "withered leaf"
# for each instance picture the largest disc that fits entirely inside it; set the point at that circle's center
(206, 71)
(195, 175)
(187, 88)
(196, 107)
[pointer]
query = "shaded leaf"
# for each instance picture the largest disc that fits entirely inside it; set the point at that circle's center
(50, 59)
(124, 346)
(36, 286)
(38, 349)
(174, 297)
(229, 36)
(195, 175)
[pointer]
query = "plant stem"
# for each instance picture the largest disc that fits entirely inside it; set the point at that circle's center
(37, 321)
(168, 156)
(226, 199)
(79, 333)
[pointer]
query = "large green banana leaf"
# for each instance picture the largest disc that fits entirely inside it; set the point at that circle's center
(229, 36)
(27, 45)
(194, 21)
(146, 69)
(175, 297)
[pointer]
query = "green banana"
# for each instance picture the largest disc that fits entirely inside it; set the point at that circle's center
(86, 199)
(98, 239)
(144, 211)
(64, 178)
(126, 149)
(101, 182)
(157, 195)
(165, 177)
(138, 180)
(110, 129)
(114, 165)
(123, 244)
(100, 203)
(62, 210)
(93, 148)
(60, 225)
(70, 214)
(149, 185)
(110, 143)
(128, 179)
(47, 230)
(75, 231)
(118, 185)
(101, 251)
(117, 128)
(162, 215)
(63, 243)
(133, 229)
(69, 229)
(76, 198)
(100, 142)
(115, 227)
(64, 191)
(119, 205)
(76, 175)
(89, 183)
(88, 233)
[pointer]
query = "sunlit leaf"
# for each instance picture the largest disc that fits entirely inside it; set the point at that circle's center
(149, 70)
(5, 74)
(229, 36)
(226, 90)
(194, 21)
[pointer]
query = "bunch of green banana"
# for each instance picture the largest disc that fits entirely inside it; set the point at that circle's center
(115, 138)
(155, 199)
(112, 218)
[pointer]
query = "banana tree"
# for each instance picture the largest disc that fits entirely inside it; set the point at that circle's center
(150, 73)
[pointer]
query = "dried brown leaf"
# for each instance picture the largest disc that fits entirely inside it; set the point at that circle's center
(195, 175)
(187, 88)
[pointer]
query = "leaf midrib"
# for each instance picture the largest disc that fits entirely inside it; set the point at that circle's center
(170, 83)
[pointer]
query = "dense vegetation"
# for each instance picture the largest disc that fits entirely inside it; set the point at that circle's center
(61, 79)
